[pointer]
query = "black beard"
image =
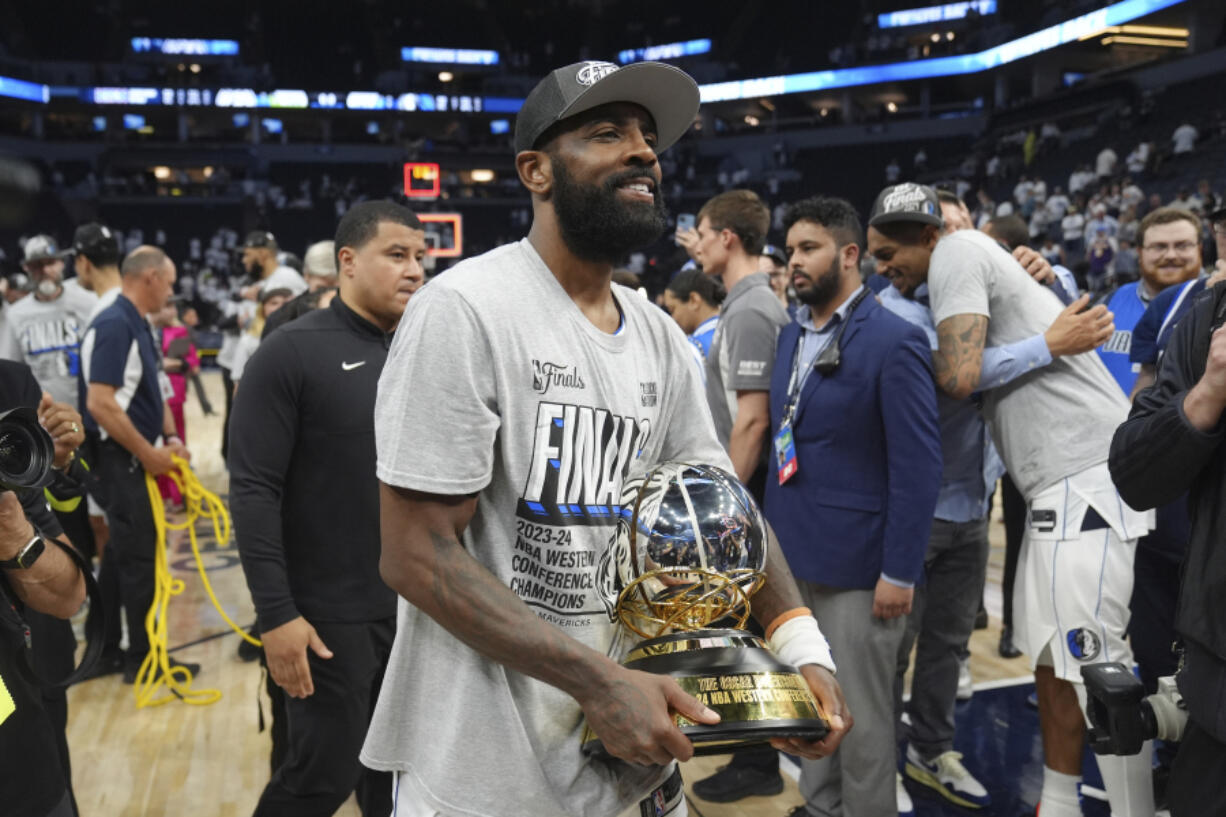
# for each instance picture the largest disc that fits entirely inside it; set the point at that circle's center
(824, 287)
(596, 226)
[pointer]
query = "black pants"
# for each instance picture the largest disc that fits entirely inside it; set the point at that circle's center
(53, 655)
(1195, 788)
(108, 571)
(326, 730)
(228, 386)
(1013, 508)
(1155, 591)
(133, 540)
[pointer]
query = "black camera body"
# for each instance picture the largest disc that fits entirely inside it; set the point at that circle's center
(27, 451)
(1122, 717)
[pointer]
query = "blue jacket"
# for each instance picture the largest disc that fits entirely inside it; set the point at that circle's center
(868, 449)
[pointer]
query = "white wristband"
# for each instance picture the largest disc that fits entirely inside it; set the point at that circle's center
(799, 641)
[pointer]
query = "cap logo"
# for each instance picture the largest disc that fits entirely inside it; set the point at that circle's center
(594, 71)
(905, 197)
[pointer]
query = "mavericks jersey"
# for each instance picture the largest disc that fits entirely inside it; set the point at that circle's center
(1127, 306)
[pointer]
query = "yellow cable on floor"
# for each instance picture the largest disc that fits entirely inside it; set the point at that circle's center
(156, 671)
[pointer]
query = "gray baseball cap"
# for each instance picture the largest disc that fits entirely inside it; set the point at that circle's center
(42, 248)
(669, 94)
(908, 201)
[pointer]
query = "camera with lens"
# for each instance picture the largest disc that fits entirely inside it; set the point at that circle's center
(26, 451)
(1122, 717)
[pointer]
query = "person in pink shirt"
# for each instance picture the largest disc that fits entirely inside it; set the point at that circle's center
(179, 360)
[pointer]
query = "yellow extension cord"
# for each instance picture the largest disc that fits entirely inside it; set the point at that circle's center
(156, 671)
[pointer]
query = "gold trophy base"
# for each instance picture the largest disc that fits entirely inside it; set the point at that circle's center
(733, 672)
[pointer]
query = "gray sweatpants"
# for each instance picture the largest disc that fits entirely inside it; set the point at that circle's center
(858, 780)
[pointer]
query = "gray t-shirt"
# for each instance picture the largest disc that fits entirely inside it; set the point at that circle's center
(1051, 423)
(742, 350)
(496, 383)
(47, 337)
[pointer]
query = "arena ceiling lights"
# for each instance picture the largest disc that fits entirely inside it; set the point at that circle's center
(1078, 28)
(449, 56)
(1086, 26)
(1154, 36)
(935, 14)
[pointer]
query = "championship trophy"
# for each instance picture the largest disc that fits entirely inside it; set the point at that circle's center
(690, 549)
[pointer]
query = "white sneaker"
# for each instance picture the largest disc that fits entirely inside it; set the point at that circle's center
(946, 774)
(966, 686)
(905, 807)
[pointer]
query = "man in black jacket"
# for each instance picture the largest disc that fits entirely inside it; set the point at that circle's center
(306, 509)
(1171, 443)
(39, 589)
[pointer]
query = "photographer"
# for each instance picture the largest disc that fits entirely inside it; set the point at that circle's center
(1171, 443)
(39, 586)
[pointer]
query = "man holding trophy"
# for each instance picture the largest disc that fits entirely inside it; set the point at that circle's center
(521, 391)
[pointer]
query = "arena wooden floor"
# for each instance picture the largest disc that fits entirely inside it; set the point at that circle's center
(211, 761)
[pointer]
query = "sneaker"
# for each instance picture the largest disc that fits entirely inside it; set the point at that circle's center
(905, 807)
(733, 783)
(131, 669)
(946, 775)
(1007, 649)
(981, 619)
(246, 650)
(966, 685)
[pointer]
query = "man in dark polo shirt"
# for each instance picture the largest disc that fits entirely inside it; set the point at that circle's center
(302, 445)
(123, 403)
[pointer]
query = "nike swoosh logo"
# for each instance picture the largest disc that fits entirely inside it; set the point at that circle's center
(349, 367)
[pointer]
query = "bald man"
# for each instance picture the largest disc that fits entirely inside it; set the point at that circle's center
(124, 406)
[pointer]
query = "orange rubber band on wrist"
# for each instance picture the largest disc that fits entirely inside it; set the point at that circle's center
(784, 618)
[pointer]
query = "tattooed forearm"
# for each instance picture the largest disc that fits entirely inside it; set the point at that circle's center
(958, 361)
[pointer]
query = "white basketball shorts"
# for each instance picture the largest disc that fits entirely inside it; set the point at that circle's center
(1074, 575)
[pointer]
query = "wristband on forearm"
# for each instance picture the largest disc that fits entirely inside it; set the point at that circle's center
(785, 617)
(798, 641)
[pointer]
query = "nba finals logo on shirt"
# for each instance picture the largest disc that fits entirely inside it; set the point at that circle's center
(594, 71)
(579, 459)
(647, 394)
(546, 375)
(55, 341)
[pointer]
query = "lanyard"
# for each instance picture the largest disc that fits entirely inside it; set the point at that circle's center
(797, 380)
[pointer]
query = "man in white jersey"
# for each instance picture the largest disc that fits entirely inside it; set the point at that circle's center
(1053, 429)
(501, 473)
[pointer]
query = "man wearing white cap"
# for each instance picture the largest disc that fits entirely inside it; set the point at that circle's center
(46, 326)
(541, 350)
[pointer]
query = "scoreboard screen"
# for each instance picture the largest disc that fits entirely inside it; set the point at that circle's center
(444, 234)
(421, 180)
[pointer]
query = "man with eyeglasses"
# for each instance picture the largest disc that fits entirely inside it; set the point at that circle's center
(1160, 554)
(1169, 243)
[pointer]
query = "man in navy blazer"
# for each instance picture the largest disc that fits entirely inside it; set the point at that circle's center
(858, 466)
